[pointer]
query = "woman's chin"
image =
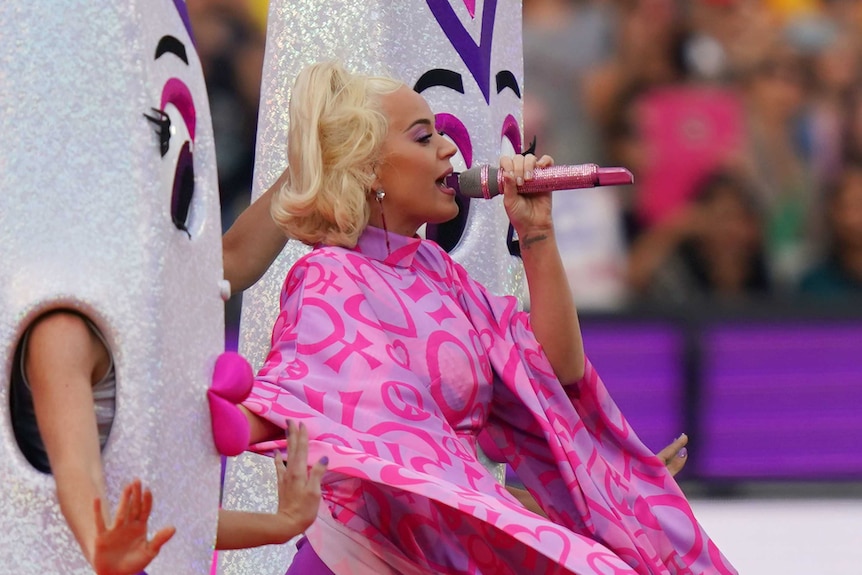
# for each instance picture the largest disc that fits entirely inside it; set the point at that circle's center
(445, 216)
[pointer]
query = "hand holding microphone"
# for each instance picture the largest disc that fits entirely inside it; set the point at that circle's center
(486, 181)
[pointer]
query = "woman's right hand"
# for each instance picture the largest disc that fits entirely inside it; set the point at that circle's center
(529, 213)
(298, 486)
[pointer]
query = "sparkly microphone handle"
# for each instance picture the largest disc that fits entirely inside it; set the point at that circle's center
(487, 182)
(556, 178)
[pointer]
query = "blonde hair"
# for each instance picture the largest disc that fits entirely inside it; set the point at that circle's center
(336, 131)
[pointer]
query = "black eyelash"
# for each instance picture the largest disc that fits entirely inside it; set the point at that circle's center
(441, 133)
(163, 128)
(531, 149)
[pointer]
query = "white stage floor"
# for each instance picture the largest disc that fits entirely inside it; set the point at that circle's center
(786, 537)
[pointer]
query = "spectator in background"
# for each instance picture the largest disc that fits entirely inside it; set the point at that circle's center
(230, 37)
(793, 8)
(835, 74)
(847, 12)
(840, 273)
(563, 39)
(231, 43)
(774, 92)
(853, 127)
(649, 40)
(625, 146)
(726, 36)
(587, 65)
(712, 249)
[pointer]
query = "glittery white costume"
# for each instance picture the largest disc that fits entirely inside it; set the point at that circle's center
(465, 57)
(95, 215)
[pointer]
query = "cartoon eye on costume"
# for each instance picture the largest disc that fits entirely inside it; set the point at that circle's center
(172, 45)
(177, 108)
(448, 234)
(184, 188)
(455, 130)
(510, 140)
(163, 129)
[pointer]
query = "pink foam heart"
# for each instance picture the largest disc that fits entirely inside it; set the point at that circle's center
(231, 384)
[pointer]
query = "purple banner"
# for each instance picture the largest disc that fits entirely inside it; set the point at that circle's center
(642, 366)
(781, 401)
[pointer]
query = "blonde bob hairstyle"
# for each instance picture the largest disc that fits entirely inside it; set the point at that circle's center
(337, 128)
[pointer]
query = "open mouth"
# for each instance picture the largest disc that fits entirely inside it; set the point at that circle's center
(445, 184)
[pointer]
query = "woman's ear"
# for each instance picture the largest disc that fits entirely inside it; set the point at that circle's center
(376, 184)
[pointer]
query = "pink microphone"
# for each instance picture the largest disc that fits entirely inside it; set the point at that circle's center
(487, 182)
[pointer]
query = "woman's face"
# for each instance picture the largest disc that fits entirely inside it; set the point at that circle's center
(414, 160)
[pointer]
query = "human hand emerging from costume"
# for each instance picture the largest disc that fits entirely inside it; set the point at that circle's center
(675, 455)
(123, 548)
(529, 213)
(298, 486)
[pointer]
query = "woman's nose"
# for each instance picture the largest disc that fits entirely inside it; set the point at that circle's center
(448, 149)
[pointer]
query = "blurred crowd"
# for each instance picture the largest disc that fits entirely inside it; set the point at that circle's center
(230, 37)
(740, 119)
(742, 123)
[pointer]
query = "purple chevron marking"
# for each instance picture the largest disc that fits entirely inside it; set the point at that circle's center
(477, 57)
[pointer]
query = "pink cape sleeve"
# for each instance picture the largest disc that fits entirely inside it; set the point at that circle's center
(401, 485)
(577, 455)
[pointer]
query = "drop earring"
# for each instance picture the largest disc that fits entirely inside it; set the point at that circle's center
(380, 194)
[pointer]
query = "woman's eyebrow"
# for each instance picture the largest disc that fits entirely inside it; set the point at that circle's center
(422, 121)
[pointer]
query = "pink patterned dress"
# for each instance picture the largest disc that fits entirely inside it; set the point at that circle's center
(398, 364)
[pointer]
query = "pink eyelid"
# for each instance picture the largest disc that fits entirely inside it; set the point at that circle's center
(420, 132)
(177, 93)
(455, 129)
(512, 131)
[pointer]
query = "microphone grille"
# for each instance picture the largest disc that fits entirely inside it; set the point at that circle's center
(470, 182)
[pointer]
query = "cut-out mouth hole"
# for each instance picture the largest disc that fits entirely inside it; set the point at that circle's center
(184, 189)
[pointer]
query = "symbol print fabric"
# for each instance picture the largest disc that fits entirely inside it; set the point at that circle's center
(404, 362)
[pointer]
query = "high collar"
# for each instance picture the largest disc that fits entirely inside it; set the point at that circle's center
(399, 253)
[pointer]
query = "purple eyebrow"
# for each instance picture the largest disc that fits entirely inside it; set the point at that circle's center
(477, 57)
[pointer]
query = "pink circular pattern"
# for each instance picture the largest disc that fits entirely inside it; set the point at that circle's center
(396, 364)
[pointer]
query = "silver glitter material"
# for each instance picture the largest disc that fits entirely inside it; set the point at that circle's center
(401, 39)
(85, 223)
